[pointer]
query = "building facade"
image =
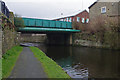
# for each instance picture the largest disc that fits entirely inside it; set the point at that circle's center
(4, 9)
(108, 8)
(82, 17)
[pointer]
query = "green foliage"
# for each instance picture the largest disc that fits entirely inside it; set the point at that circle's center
(9, 59)
(112, 39)
(105, 30)
(80, 26)
(0, 69)
(18, 21)
(51, 68)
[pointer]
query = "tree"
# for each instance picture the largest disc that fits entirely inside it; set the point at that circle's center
(18, 21)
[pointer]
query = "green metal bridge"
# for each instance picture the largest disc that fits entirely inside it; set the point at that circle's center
(44, 26)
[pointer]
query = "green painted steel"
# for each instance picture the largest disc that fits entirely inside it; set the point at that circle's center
(38, 22)
(58, 24)
(35, 29)
(52, 23)
(64, 25)
(31, 22)
(46, 23)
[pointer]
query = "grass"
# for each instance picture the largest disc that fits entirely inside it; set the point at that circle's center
(9, 59)
(0, 69)
(52, 69)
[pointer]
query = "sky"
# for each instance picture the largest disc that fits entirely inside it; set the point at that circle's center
(47, 9)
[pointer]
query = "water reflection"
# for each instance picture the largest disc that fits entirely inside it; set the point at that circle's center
(100, 63)
(82, 62)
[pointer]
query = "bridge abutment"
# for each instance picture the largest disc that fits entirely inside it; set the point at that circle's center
(30, 37)
(59, 39)
(49, 38)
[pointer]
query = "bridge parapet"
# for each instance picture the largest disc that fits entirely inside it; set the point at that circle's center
(31, 22)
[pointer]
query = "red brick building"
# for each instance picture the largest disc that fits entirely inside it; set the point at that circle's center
(82, 17)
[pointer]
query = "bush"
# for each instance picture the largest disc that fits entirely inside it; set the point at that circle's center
(103, 29)
(80, 26)
(18, 21)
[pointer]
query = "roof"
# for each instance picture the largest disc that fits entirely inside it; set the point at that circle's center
(92, 4)
(103, 1)
(72, 15)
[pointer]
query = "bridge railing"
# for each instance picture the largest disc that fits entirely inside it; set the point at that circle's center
(30, 22)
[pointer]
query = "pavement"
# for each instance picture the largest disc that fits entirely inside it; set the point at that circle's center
(28, 66)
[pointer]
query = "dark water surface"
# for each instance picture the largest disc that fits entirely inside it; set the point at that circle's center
(83, 62)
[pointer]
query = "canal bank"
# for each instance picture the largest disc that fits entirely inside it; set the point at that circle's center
(83, 62)
(52, 69)
(8, 35)
(30, 64)
(104, 40)
(9, 60)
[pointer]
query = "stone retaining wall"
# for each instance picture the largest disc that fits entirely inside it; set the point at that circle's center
(8, 35)
(110, 40)
(0, 36)
(38, 38)
(9, 39)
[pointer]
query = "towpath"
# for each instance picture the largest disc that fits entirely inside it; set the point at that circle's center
(28, 66)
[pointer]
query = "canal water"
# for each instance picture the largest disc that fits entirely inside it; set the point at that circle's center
(83, 62)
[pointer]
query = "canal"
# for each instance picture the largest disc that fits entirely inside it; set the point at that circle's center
(83, 62)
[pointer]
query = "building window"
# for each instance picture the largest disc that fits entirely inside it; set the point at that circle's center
(83, 20)
(87, 20)
(64, 19)
(103, 9)
(78, 19)
(70, 20)
(61, 19)
(67, 19)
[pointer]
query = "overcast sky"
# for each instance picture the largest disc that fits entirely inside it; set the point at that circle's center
(47, 9)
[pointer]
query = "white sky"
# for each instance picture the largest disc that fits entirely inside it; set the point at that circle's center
(47, 9)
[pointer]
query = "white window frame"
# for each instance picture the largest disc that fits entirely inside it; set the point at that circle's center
(61, 19)
(102, 9)
(87, 20)
(78, 19)
(83, 20)
(70, 19)
(64, 19)
(67, 19)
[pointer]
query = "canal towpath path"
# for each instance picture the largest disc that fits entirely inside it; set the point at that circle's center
(27, 66)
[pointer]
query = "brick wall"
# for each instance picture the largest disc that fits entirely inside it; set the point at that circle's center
(84, 14)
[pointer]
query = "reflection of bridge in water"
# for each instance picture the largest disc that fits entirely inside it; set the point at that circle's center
(58, 32)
